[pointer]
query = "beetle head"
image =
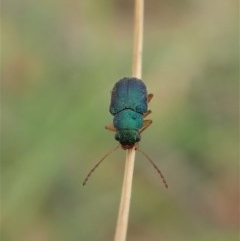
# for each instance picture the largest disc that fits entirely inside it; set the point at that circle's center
(127, 138)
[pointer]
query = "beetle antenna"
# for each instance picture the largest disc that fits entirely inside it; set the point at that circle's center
(98, 163)
(156, 167)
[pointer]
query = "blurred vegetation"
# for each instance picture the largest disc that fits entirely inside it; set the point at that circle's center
(60, 60)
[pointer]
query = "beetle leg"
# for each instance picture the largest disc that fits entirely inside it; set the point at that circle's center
(147, 113)
(149, 97)
(110, 128)
(146, 124)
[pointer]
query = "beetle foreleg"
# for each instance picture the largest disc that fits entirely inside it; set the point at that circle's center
(146, 124)
(110, 128)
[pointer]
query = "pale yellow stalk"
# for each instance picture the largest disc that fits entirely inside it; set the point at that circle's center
(122, 222)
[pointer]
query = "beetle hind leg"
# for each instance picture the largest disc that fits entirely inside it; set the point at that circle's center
(149, 97)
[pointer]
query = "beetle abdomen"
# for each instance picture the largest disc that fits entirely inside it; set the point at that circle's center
(129, 93)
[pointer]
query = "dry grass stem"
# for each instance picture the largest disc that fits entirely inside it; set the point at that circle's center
(122, 222)
(138, 39)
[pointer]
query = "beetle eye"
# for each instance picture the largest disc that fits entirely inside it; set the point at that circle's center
(138, 138)
(117, 136)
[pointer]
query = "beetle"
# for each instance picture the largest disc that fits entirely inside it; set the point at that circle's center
(129, 106)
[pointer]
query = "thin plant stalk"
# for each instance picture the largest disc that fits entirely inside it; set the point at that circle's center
(138, 39)
(122, 221)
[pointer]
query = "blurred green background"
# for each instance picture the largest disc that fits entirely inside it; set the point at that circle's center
(60, 60)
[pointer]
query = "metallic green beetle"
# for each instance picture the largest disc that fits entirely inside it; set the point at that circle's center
(129, 106)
